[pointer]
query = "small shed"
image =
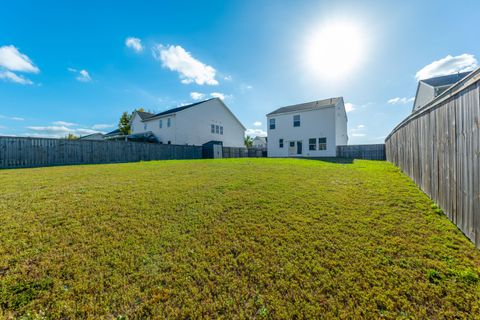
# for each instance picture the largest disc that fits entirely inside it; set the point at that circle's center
(212, 149)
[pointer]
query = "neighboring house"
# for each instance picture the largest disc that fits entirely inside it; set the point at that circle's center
(429, 89)
(259, 142)
(312, 129)
(114, 135)
(94, 136)
(193, 124)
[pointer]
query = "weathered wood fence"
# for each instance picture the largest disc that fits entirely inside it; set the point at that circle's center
(362, 151)
(439, 148)
(18, 152)
(231, 152)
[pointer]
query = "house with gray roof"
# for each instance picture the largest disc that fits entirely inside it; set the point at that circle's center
(192, 124)
(429, 89)
(311, 129)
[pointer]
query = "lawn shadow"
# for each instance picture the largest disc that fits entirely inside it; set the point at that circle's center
(331, 159)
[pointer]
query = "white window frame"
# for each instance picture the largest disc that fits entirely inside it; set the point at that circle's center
(296, 121)
(322, 145)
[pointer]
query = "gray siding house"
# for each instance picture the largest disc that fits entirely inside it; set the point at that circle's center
(429, 89)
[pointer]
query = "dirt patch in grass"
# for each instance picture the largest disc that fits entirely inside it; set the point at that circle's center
(246, 238)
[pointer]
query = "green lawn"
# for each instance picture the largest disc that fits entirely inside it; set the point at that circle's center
(236, 238)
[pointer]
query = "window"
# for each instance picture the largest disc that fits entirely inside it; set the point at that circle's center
(145, 127)
(280, 143)
(160, 124)
(292, 144)
(212, 128)
(221, 129)
(322, 143)
(272, 124)
(296, 120)
(217, 129)
(169, 142)
(312, 144)
(169, 122)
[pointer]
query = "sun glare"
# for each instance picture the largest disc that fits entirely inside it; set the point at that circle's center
(335, 49)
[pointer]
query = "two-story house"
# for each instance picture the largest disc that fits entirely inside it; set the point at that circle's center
(193, 124)
(312, 129)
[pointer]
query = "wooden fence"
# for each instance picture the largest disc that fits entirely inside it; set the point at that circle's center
(230, 152)
(18, 152)
(362, 151)
(439, 148)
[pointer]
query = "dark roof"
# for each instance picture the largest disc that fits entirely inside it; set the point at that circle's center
(89, 135)
(308, 106)
(144, 115)
(447, 80)
(113, 133)
(178, 109)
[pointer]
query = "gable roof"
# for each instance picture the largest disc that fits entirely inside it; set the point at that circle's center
(113, 133)
(177, 109)
(144, 115)
(319, 104)
(447, 80)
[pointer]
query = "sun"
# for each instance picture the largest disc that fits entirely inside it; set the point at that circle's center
(335, 49)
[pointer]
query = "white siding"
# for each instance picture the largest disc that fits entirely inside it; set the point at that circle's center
(136, 124)
(425, 94)
(341, 125)
(313, 124)
(192, 126)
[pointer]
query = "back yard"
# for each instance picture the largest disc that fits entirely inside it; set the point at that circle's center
(236, 238)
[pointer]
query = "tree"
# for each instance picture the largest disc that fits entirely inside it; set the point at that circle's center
(248, 141)
(124, 122)
(71, 136)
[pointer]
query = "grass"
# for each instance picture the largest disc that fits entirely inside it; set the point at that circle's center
(236, 238)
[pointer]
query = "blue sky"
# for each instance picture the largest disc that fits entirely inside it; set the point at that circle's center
(76, 66)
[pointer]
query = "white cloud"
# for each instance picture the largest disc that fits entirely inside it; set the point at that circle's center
(217, 95)
(257, 123)
(59, 131)
(448, 65)
(13, 60)
(197, 95)
(227, 78)
(64, 123)
(13, 77)
(399, 100)
(102, 126)
(358, 131)
(135, 44)
(255, 132)
(175, 58)
(349, 107)
(52, 130)
(82, 75)
(11, 118)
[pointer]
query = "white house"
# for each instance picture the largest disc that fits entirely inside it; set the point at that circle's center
(193, 124)
(259, 142)
(98, 136)
(429, 89)
(312, 129)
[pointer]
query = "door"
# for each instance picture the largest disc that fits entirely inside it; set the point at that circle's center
(217, 151)
(291, 148)
(299, 147)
